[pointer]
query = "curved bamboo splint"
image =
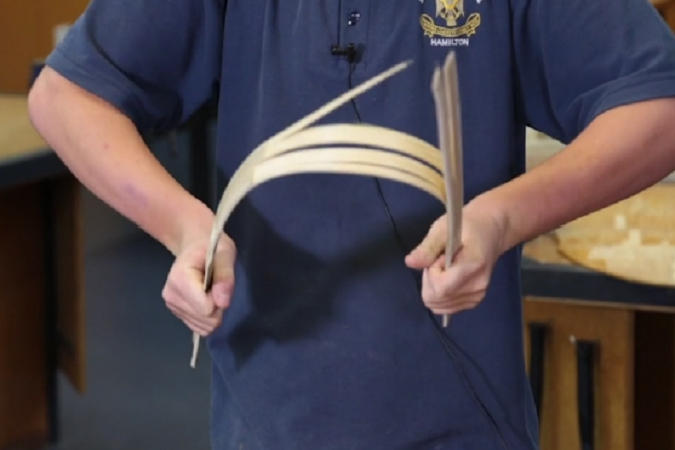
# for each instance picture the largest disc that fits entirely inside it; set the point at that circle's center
(354, 149)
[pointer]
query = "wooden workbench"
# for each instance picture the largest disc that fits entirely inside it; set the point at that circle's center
(630, 373)
(609, 334)
(667, 10)
(42, 296)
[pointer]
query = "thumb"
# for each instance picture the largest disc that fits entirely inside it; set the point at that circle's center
(431, 247)
(223, 276)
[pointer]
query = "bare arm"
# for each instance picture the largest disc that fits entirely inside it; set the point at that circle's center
(622, 152)
(103, 149)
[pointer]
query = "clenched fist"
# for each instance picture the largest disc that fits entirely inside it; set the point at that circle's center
(184, 293)
(464, 284)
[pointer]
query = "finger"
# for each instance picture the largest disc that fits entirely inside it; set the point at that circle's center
(462, 277)
(223, 274)
(436, 268)
(208, 322)
(176, 303)
(435, 297)
(433, 244)
(443, 283)
(450, 312)
(429, 293)
(463, 303)
(191, 290)
(194, 323)
(184, 292)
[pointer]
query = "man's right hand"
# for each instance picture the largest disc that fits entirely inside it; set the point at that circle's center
(184, 294)
(103, 148)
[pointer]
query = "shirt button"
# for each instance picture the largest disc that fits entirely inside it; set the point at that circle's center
(354, 17)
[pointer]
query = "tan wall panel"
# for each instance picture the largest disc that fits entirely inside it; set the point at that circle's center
(26, 34)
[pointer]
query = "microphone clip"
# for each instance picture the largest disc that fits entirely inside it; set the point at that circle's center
(349, 51)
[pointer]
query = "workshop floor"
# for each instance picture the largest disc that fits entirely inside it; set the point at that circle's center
(142, 394)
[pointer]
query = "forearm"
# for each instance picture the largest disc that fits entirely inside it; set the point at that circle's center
(105, 152)
(620, 153)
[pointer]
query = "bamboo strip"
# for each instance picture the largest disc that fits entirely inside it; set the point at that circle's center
(444, 86)
(354, 149)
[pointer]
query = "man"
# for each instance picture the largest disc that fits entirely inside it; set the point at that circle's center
(331, 336)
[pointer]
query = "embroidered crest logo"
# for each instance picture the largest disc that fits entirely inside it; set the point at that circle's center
(450, 27)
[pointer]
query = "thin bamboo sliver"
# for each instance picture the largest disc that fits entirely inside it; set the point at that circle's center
(352, 149)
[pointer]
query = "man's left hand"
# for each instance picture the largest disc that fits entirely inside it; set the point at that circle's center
(463, 285)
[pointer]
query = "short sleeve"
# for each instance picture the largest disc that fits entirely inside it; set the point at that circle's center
(578, 58)
(157, 61)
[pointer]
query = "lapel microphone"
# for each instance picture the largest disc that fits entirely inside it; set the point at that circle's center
(349, 51)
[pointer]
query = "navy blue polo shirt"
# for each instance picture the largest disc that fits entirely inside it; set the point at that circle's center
(327, 345)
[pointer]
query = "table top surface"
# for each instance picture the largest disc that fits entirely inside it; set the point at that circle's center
(24, 156)
(18, 138)
(547, 274)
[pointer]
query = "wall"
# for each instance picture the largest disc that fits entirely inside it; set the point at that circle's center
(26, 34)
